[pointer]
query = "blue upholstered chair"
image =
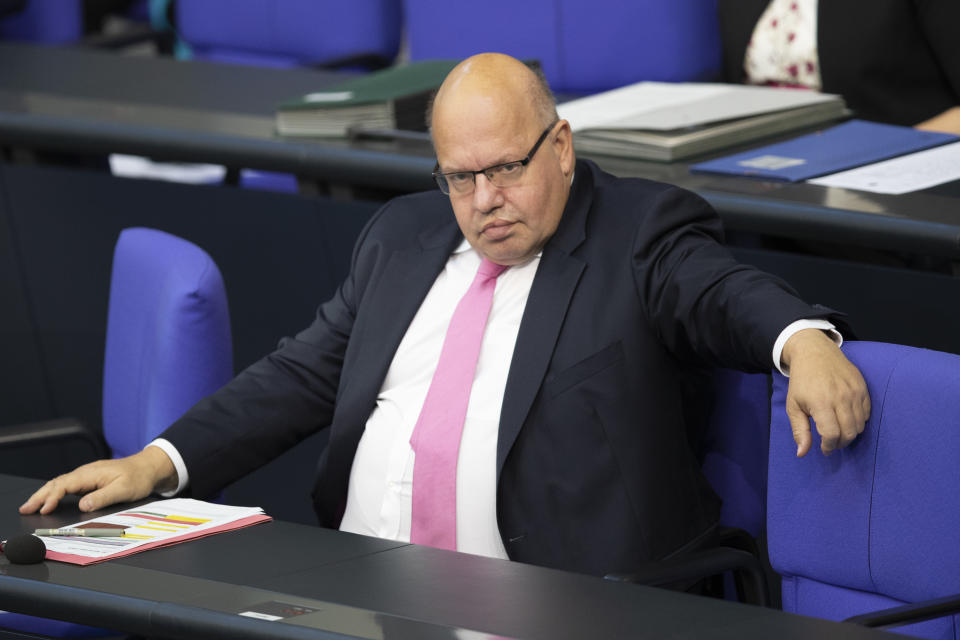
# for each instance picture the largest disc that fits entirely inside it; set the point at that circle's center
(168, 345)
(290, 33)
(583, 47)
(875, 525)
(168, 336)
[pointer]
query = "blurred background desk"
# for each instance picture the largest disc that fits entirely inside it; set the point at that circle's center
(360, 587)
(93, 102)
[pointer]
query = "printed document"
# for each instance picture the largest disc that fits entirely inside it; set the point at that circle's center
(912, 172)
(156, 524)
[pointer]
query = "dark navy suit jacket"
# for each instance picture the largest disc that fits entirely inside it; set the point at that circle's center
(595, 470)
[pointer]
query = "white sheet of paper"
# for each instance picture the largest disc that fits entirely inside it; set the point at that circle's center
(664, 106)
(127, 166)
(912, 172)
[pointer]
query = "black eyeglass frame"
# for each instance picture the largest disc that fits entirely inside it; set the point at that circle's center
(441, 178)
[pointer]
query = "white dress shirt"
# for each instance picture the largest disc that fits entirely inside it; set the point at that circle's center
(380, 488)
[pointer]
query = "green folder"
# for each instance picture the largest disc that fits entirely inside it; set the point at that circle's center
(394, 98)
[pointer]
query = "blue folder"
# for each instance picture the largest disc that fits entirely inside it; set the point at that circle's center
(845, 146)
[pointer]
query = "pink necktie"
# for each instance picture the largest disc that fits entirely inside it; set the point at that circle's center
(436, 436)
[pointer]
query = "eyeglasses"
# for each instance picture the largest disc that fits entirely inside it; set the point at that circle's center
(463, 183)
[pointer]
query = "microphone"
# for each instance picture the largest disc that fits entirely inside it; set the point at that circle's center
(24, 549)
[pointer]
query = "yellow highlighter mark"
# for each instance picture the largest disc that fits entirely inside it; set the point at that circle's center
(173, 526)
(187, 519)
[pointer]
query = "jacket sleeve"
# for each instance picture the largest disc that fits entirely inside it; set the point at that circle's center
(703, 303)
(277, 401)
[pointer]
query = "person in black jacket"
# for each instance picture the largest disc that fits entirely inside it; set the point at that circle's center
(894, 61)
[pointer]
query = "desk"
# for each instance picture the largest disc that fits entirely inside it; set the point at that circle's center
(361, 587)
(95, 102)
(84, 101)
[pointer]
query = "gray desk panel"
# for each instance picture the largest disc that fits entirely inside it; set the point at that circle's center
(162, 603)
(502, 597)
(262, 554)
(92, 599)
(924, 221)
(361, 587)
(854, 228)
(94, 102)
(251, 556)
(332, 161)
(105, 75)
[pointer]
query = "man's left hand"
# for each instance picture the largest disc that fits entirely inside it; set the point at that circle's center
(825, 386)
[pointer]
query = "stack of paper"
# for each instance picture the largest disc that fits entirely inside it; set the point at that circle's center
(670, 121)
(157, 524)
(395, 98)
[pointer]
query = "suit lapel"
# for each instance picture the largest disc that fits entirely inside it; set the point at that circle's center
(404, 283)
(553, 287)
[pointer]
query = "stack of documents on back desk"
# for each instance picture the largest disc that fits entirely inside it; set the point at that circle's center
(851, 144)
(157, 524)
(669, 121)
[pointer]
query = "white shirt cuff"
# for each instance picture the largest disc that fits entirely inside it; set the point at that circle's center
(182, 478)
(796, 326)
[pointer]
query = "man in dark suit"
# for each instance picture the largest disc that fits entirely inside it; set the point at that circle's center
(575, 450)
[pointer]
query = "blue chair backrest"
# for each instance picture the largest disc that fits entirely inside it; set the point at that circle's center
(874, 525)
(168, 336)
(45, 22)
(289, 33)
(583, 47)
(735, 448)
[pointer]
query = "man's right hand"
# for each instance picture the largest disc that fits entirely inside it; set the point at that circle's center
(107, 482)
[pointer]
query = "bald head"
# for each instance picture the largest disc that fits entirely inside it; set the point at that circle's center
(494, 81)
(495, 128)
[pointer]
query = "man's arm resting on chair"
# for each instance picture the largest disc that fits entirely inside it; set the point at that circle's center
(107, 482)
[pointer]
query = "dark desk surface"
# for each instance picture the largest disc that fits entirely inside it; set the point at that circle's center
(89, 101)
(360, 587)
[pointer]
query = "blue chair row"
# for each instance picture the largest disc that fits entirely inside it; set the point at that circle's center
(582, 47)
(279, 33)
(168, 345)
(272, 33)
